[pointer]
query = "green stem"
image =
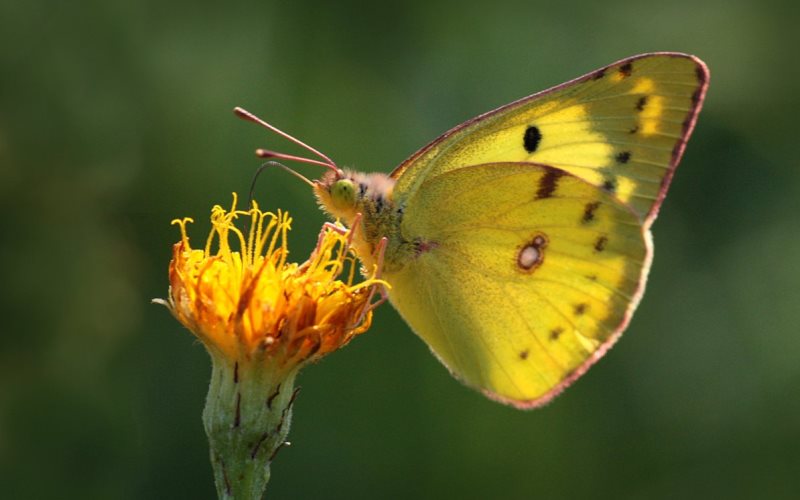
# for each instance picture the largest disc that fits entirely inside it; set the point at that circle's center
(247, 416)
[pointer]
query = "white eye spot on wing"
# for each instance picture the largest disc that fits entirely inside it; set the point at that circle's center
(529, 257)
(531, 254)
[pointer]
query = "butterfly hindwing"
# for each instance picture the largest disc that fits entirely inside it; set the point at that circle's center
(525, 275)
(621, 128)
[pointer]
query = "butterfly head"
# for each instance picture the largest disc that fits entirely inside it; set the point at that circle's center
(343, 193)
(336, 191)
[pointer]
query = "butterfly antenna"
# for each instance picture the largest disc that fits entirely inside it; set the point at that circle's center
(266, 153)
(328, 163)
(274, 164)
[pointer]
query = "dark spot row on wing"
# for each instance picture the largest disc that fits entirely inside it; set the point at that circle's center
(600, 243)
(626, 69)
(548, 183)
(580, 309)
(589, 210)
(556, 332)
(623, 157)
(640, 104)
(697, 97)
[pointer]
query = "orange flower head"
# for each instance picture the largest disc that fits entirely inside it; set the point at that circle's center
(244, 301)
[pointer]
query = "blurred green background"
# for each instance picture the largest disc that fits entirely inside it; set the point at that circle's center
(115, 117)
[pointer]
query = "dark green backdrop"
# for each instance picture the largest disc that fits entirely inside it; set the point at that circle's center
(115, 117)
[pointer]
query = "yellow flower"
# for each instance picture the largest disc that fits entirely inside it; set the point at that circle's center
(251, 303)
(261, 318)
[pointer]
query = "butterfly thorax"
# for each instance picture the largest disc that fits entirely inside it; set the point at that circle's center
(345, 194)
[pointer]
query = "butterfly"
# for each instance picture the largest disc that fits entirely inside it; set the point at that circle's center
(517, 244)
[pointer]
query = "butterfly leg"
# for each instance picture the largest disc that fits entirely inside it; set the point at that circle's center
(330, 226)
(380, 253)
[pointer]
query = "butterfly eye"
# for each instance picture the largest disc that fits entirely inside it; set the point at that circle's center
(343, 193)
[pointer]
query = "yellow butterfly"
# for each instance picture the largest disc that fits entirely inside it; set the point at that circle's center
(517, 244)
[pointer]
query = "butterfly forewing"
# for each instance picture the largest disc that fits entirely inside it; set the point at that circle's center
(621, 128)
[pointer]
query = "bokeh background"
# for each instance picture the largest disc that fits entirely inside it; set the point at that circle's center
(115, 117)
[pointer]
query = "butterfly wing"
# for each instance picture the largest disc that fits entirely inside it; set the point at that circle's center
(622, 128)
(524, 276)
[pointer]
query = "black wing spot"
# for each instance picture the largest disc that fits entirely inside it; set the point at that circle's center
(634, 129)
(641, 103)
(580, 309)
(591, 277)
(623, 157)
(548, 183)
(600, 74)
(609, 185)
(524, 354)
(556, 332)
(626, 69)
(531, 138)
(600, 244)
(588, 211)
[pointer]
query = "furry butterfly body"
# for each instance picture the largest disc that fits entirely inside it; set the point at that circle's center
(517, 245)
